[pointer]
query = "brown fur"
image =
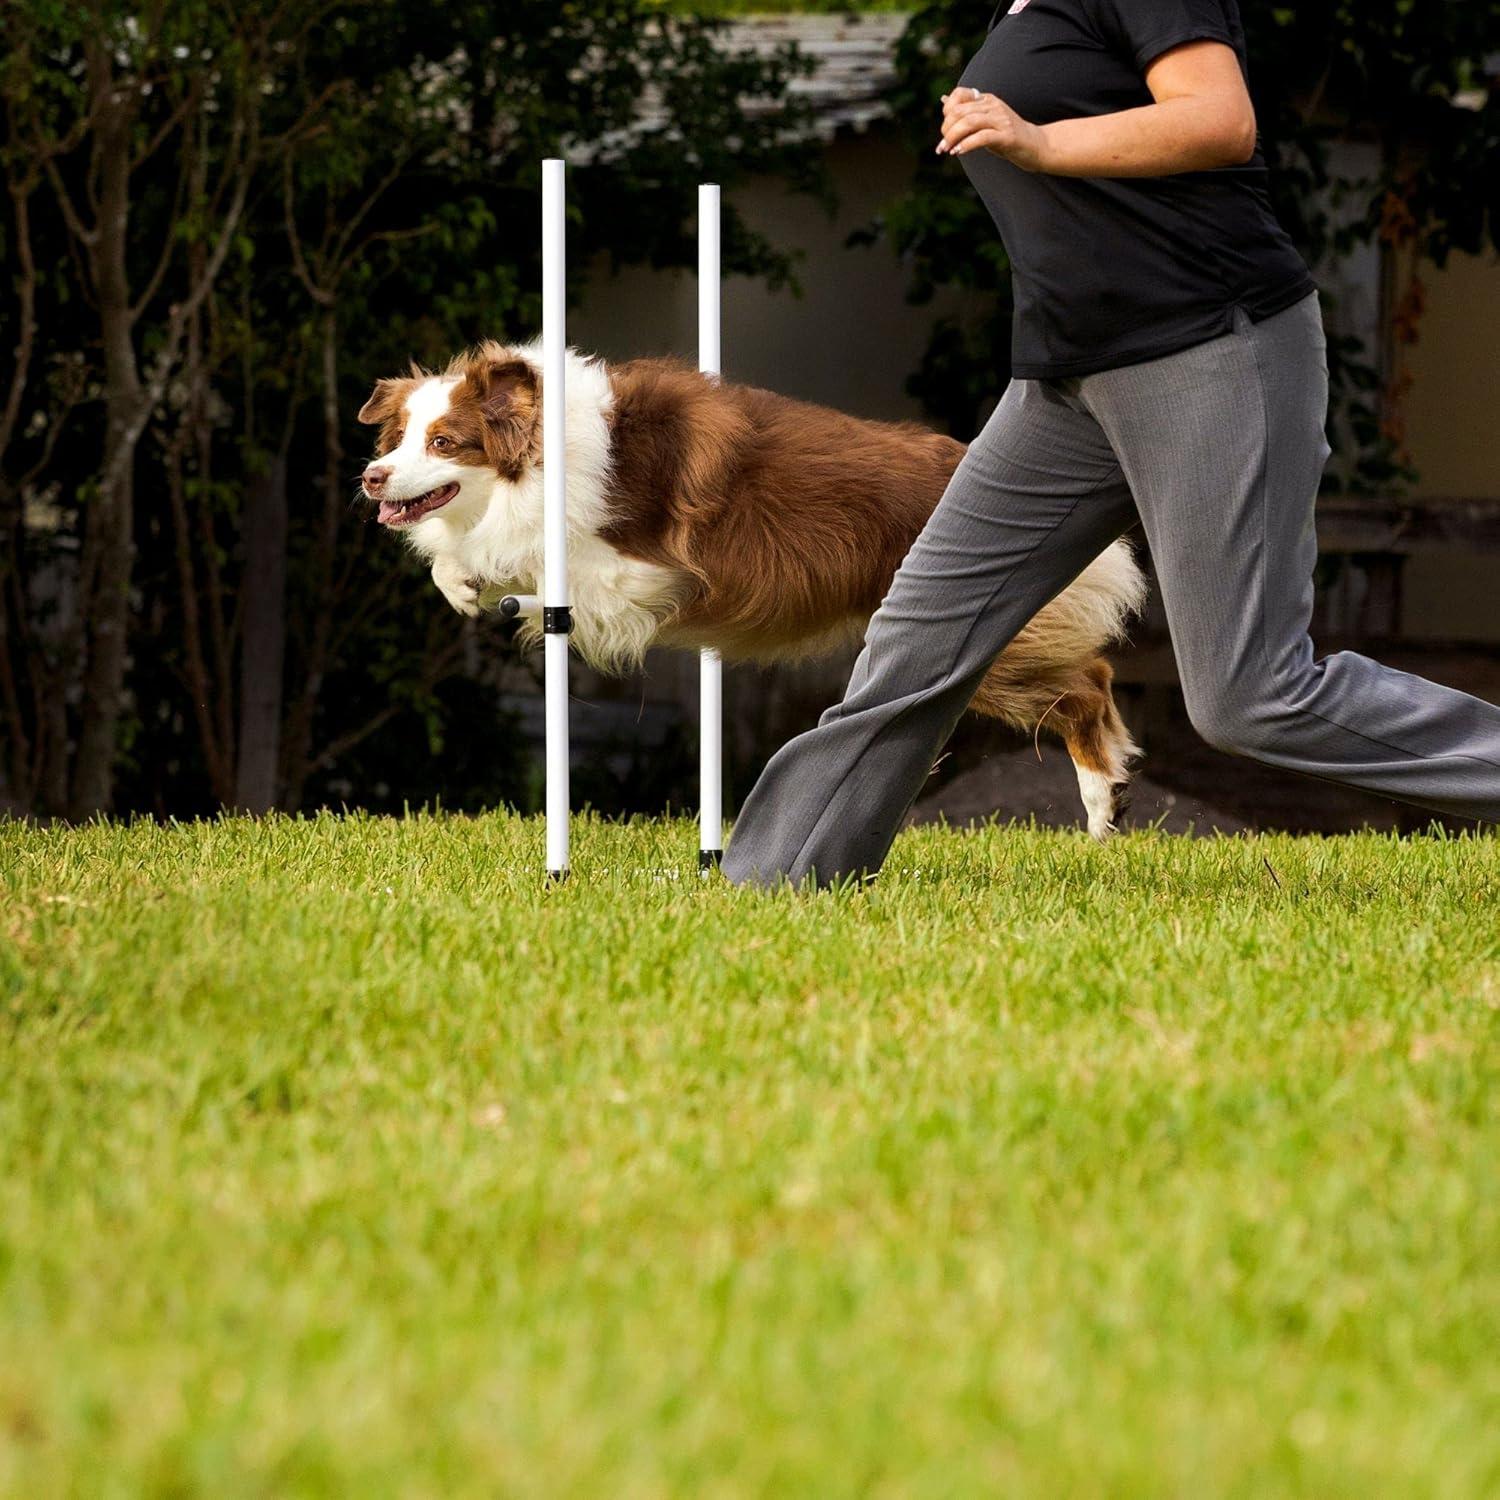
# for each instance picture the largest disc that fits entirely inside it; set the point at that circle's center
(385, 408)
(786, 522)
(495, 415)
(493, 418)
(793, 519)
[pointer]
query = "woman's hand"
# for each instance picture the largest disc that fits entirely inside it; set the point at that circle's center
(972, 120)
(1201, 118)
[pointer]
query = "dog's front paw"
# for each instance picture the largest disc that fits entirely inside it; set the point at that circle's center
(456, 586)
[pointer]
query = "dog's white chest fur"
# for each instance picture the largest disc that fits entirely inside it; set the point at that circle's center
(488, 542)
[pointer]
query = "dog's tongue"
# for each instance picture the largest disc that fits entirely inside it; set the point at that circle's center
(404, 512)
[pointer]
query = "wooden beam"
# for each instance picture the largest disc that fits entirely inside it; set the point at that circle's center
(1355, 524)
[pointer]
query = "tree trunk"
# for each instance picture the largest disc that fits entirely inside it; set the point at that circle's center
(264, 639)
(106, 629)
(325, 592)
(15, 771)
(105, 599)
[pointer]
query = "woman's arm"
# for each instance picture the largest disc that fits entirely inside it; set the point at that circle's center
(1202, 118)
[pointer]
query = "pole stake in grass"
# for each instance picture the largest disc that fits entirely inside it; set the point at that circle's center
(556, 621)
(553, 604)
(710, 667)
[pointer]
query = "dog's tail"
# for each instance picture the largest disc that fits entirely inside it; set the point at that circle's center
(1093, 611)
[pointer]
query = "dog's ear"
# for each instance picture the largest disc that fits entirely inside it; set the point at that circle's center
(507, 388)
(504, 388)
(384, 401)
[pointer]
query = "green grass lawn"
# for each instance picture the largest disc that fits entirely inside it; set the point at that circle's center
(340, 1158)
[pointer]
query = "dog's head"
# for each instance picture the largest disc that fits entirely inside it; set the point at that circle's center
(446, 440)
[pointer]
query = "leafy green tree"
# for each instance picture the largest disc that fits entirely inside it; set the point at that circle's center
(145, 167)
(220, 224)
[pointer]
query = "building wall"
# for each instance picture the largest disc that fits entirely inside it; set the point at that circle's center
(1455, 398)
(1452, 410)
(849, 339)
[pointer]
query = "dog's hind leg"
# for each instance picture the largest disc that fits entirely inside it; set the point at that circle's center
(1089, 722)
(1077, 704)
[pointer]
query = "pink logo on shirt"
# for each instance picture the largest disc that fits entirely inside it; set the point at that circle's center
(1017, 5)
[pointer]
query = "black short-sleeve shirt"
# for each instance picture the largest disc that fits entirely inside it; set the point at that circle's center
(1111, 271)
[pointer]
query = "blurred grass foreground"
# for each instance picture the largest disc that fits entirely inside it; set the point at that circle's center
(338, 1156)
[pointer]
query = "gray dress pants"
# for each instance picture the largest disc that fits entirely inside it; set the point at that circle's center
(1219, 449)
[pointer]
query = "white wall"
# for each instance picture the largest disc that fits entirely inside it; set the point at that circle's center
(850, 340)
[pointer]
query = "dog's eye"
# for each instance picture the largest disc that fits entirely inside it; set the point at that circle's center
(442, 444)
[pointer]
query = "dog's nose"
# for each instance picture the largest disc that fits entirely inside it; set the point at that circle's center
(375, 478)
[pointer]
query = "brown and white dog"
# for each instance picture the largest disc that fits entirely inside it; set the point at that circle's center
(709, 514)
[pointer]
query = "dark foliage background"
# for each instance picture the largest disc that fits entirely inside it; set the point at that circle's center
(219, 220)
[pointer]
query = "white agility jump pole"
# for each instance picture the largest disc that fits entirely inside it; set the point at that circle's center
(710, 668)
(556, 616)
(553, 603)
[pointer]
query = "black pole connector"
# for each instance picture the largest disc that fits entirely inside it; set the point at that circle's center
(709, 859)
(557, 619)
(510, 607)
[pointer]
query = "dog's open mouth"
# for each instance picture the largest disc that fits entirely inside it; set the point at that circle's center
(404, 512)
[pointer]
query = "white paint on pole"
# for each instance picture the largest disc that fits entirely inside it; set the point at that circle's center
(555, 508)
(708, 279)
(710, 668)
